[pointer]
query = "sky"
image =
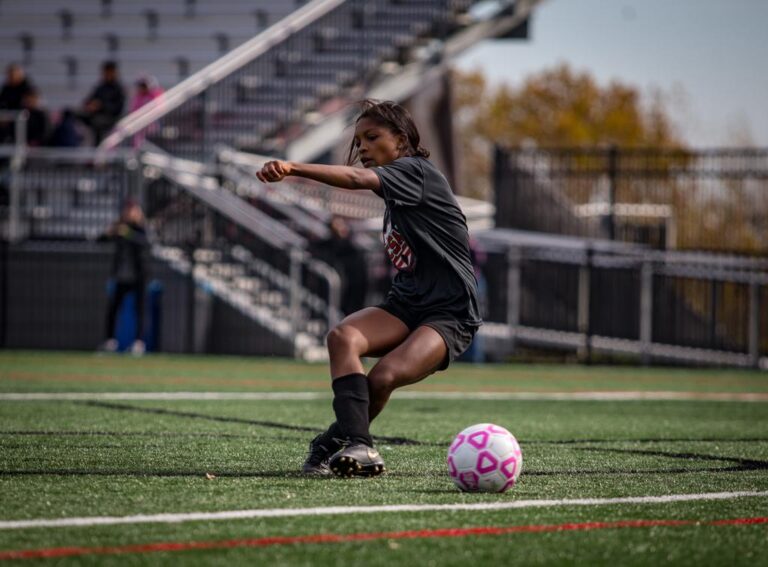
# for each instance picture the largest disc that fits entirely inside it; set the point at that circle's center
(710, 58)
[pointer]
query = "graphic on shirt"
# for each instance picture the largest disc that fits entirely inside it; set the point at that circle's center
(400, 254)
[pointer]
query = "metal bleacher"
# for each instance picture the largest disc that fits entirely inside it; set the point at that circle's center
(63, 42)
(259, 70)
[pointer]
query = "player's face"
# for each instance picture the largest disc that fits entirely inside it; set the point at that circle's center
(376, 144)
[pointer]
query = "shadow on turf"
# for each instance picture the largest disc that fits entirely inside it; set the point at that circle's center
(227, 419)
(382, 439)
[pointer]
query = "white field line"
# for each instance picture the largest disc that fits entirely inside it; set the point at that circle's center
(598, 396)
(347, 510)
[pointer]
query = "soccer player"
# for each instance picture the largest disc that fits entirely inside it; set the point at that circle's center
(430, 314)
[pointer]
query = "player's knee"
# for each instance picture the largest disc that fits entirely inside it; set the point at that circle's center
(342, 338)
(382, 379)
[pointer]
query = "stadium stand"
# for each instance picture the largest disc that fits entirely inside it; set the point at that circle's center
(269, 78)
(62, 43)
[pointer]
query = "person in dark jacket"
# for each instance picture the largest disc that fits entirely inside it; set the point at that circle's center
(341, 253)
(38, 122)
(104, 106)
(15, 87)
(127, 273)
(66, 133)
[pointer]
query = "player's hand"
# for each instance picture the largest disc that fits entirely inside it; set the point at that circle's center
(274, 171)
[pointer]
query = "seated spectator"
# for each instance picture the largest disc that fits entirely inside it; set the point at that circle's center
(104, 106)
(38, 123)
(14, 88)
(66, 133)
(147, 90)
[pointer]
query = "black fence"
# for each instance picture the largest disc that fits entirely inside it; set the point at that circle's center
(64, 194)
(670, 200)
(587, 295)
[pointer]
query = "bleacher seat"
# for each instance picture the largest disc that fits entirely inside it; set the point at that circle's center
(169, 39)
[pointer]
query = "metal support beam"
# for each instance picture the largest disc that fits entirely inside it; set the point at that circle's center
(753, 332)
(514, 295)
(646, 311)
(583, 322)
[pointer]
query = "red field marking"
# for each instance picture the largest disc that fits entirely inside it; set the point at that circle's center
(53, 552)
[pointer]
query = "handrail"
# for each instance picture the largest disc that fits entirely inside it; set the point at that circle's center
(218, 70)
(191, 177)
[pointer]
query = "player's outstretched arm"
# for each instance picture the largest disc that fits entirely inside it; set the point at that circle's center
(337, 175)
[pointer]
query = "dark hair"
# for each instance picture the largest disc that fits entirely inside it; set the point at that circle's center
(396, 119)
(109, 66)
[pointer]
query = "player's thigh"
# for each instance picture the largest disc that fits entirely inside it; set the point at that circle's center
(418, 356)
(375, 331)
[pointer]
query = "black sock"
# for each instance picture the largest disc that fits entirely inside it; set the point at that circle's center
(332, 437)
(350, 403)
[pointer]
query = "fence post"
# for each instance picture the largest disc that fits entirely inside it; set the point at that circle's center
(295, 290)
(17, 164)
(514, 257)
(191, 287)
(582, 309)
(754, 324)
(646, 310)
(5, 267)
(204, 125)
(613, 168)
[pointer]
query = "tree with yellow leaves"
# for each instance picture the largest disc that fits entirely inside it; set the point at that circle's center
(557, 107)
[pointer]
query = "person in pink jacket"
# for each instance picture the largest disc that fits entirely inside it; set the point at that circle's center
(147, 90)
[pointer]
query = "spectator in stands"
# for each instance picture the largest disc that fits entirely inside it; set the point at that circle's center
(66, 133)
(127, 273)
(104, 106)
(14, 88)
(341, 253)
(147, 90)
(38, 123)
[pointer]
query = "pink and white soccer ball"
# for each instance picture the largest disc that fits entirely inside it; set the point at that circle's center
(485, 458)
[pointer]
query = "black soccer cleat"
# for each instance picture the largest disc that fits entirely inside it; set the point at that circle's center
(357, 459)
(316, 462)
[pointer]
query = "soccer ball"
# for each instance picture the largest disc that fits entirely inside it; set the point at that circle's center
(484, 458)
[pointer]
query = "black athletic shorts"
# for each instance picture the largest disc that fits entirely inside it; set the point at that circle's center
(457, 335)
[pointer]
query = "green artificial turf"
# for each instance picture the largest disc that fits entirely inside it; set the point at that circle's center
(117, 457)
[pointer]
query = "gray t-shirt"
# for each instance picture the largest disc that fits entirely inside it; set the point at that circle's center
(426, 238)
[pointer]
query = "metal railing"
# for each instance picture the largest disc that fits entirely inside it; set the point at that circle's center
(594, 296)
(714, 200)
(188, 89)
(190, 211)
(63, 193)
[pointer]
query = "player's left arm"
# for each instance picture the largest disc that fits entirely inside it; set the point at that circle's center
(337, 175)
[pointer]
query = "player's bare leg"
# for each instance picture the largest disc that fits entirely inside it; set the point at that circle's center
(371, 331)
(368, 332)
(415, 358)
(420, 355)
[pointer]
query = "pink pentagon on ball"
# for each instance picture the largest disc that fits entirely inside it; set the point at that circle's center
(508, 467)
(479, 439)
(452, 468)
(469, 479)
(457, 443)
(497, 429)
(486, 462)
